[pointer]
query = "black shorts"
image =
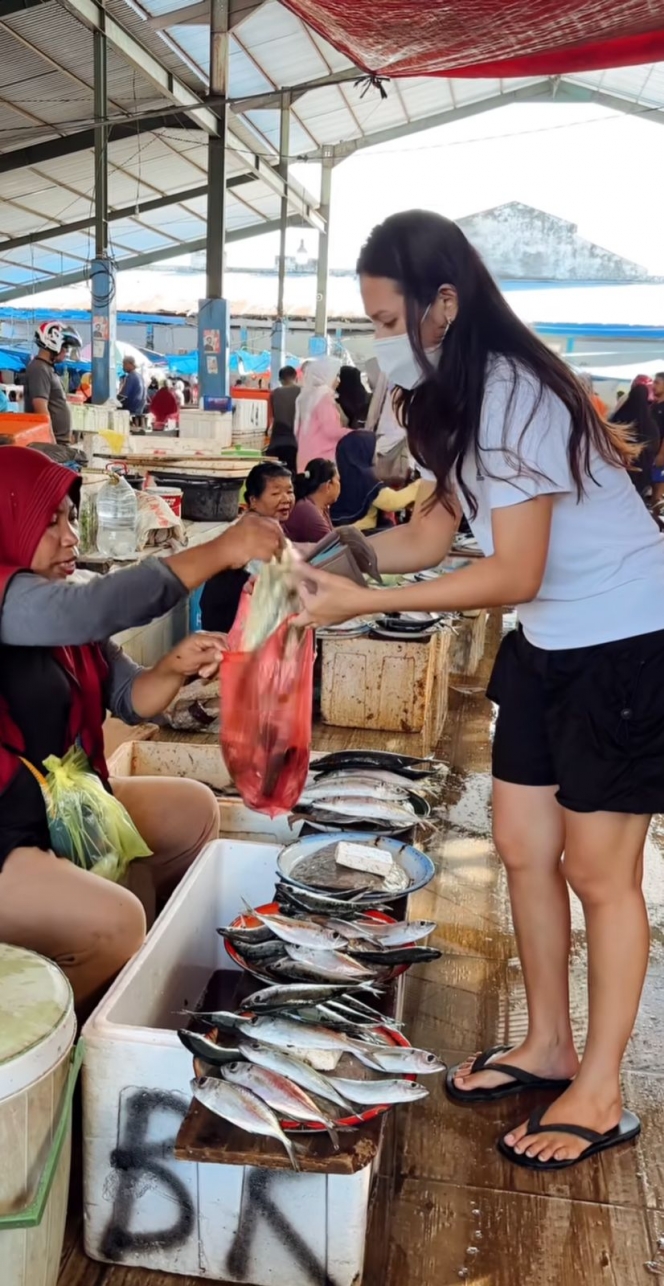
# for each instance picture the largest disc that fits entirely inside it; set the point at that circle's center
(588, 720)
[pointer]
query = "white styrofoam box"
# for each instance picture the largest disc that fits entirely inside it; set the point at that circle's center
(200, 763)
(144, 1209)
(197, 423)
(249, 416)
(94, 419)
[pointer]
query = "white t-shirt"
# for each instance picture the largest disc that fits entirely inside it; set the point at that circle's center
(604, 575)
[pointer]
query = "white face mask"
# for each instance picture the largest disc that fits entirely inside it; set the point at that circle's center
(397, 360)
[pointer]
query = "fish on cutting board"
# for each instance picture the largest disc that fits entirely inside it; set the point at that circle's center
(291, 1101)
(295, 1068)
(242, 1108)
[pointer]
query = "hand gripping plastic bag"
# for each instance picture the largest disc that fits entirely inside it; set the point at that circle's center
(86, 823)
(266, 700)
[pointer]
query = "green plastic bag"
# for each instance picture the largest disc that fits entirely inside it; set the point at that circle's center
(86, 823)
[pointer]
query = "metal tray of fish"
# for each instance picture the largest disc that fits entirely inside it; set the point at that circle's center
(310, 863)
(248, 921)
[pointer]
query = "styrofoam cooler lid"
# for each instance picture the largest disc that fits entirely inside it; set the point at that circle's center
(37, 1020)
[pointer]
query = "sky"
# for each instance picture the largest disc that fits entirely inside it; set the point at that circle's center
(599, 169)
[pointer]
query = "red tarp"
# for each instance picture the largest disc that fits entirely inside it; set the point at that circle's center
(489, 37)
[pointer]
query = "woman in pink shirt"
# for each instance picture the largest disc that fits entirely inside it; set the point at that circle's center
(318, 426)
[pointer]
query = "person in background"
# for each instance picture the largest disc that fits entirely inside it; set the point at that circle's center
(281, 411)
(657, 407)
(635, 411)
(353, 397)
(598, 403)
(178, 390)
(268, 494)
(363, 498)
(316, 490)
(132, 394)
(318, 427)
(44, 394)
(164, 406)
(59, 673)
(86, 386)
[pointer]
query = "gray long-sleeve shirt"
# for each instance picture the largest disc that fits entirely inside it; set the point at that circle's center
(41, 613)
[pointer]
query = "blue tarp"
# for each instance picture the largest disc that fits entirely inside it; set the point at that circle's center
(241, 362)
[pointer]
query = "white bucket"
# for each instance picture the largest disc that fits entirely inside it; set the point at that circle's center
(37, 1078)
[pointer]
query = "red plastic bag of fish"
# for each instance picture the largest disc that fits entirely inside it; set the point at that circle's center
(266, 700)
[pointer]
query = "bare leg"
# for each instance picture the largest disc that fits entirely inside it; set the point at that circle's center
(603, 864)
(89, 926)
(529, 835)
(176, 818)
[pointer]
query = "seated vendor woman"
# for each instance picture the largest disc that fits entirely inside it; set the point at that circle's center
(269, 493)
(59, 675)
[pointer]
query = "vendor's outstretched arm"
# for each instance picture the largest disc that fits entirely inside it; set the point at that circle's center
(42, 613)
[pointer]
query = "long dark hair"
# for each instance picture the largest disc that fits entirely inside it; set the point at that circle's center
(635, 411)
(420, 251)
(316, 474)
(352, 396)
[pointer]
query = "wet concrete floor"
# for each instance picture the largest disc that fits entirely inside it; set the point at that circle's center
(448, 1207)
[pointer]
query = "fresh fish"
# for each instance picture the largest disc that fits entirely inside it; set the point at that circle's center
(400, 934)
(329, 1018)
(353, 1002)
(369, 809)
(243, 1109)
(264, 953)
(319, 903)
(215, 1017)
(377, 1092)
(392, 956)
(293, 1068)
(261, 933)
(402, 1058)
(378, 790)
(289, 1034)
(203, 1047)
(372, 776)
(328, 964)
(384, 761)
(301, 932)
(283, 1096)
(351, 930)
(305, 993)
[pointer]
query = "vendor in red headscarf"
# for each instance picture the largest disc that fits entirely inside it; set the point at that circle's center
(59, 675)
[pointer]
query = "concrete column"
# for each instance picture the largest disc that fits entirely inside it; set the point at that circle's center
(213, 312)
(318, 342)
(102, 272)
(279, 329)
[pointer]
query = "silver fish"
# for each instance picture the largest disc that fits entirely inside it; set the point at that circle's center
(402, 1058)
(375, 776)
(377, 1092)
(348, 790)
(369, 809)
(283, 1096)
(294, 1068)
(306, 993)
(318, 903)
(328, 964)
(301, 932)
(398, 935)
(243, 1109)
(289, 1034)
(202, 1047)
(353, 929)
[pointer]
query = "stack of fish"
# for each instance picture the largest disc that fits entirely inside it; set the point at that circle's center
(384, 793)
(326, 938)
(269, 1081)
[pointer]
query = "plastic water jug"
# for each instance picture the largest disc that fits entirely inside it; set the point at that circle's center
(117, 510)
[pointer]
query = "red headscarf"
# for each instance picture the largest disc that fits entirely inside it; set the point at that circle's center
(31, 488)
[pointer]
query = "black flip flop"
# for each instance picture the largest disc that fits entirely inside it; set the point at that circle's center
(628, 1128)
(522, 1081)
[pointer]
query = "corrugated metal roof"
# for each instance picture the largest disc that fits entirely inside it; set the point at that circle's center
(46, 91)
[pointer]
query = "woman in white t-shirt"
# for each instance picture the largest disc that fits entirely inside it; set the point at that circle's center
(512, 441)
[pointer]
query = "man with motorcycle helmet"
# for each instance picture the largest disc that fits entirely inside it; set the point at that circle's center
(44, 394)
